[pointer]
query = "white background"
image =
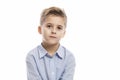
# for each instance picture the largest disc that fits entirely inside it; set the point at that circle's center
(93, 35)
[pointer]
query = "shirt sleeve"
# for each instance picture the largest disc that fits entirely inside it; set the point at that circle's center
(69, 69)
(32, 73)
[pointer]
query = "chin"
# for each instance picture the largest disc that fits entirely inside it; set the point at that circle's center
(53, 43)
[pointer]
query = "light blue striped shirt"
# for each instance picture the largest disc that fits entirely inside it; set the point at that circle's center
(41, 66)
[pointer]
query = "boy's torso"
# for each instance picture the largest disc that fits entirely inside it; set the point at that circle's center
(50, 68)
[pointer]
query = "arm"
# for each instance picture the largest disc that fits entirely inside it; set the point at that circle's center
(32, 73)
(69, 69)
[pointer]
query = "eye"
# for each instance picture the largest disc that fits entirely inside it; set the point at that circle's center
(49, 26)
(60, 28)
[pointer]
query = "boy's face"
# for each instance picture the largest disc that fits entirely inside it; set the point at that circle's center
(52, 29)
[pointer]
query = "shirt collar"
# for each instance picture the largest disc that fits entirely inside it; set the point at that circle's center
(60, 52)
(42, 51)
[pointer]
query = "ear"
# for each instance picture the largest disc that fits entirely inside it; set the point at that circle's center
(39, 29)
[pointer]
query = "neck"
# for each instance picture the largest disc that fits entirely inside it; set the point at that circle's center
(51, 49)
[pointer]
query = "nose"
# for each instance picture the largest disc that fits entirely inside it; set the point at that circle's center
(53, 31)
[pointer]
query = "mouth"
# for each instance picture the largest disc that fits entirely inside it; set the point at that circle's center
(53, 37)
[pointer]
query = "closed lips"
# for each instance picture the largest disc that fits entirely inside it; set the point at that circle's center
(52, 36)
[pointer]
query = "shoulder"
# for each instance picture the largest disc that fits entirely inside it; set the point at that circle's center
(69, 57)
(33, 53)
(68, 53)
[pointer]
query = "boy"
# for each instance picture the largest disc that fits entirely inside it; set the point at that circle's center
(50, 60)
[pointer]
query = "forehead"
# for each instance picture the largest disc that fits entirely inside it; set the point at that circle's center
(58, 20)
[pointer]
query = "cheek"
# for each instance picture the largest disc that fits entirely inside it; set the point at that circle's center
(44, 31)
(61, 35)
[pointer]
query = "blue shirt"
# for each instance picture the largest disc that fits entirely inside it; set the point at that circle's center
(41, 66)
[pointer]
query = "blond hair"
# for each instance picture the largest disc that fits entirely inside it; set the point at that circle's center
(55, 11)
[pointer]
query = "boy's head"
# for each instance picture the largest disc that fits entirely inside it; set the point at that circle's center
(52, 25)
(54, 11)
